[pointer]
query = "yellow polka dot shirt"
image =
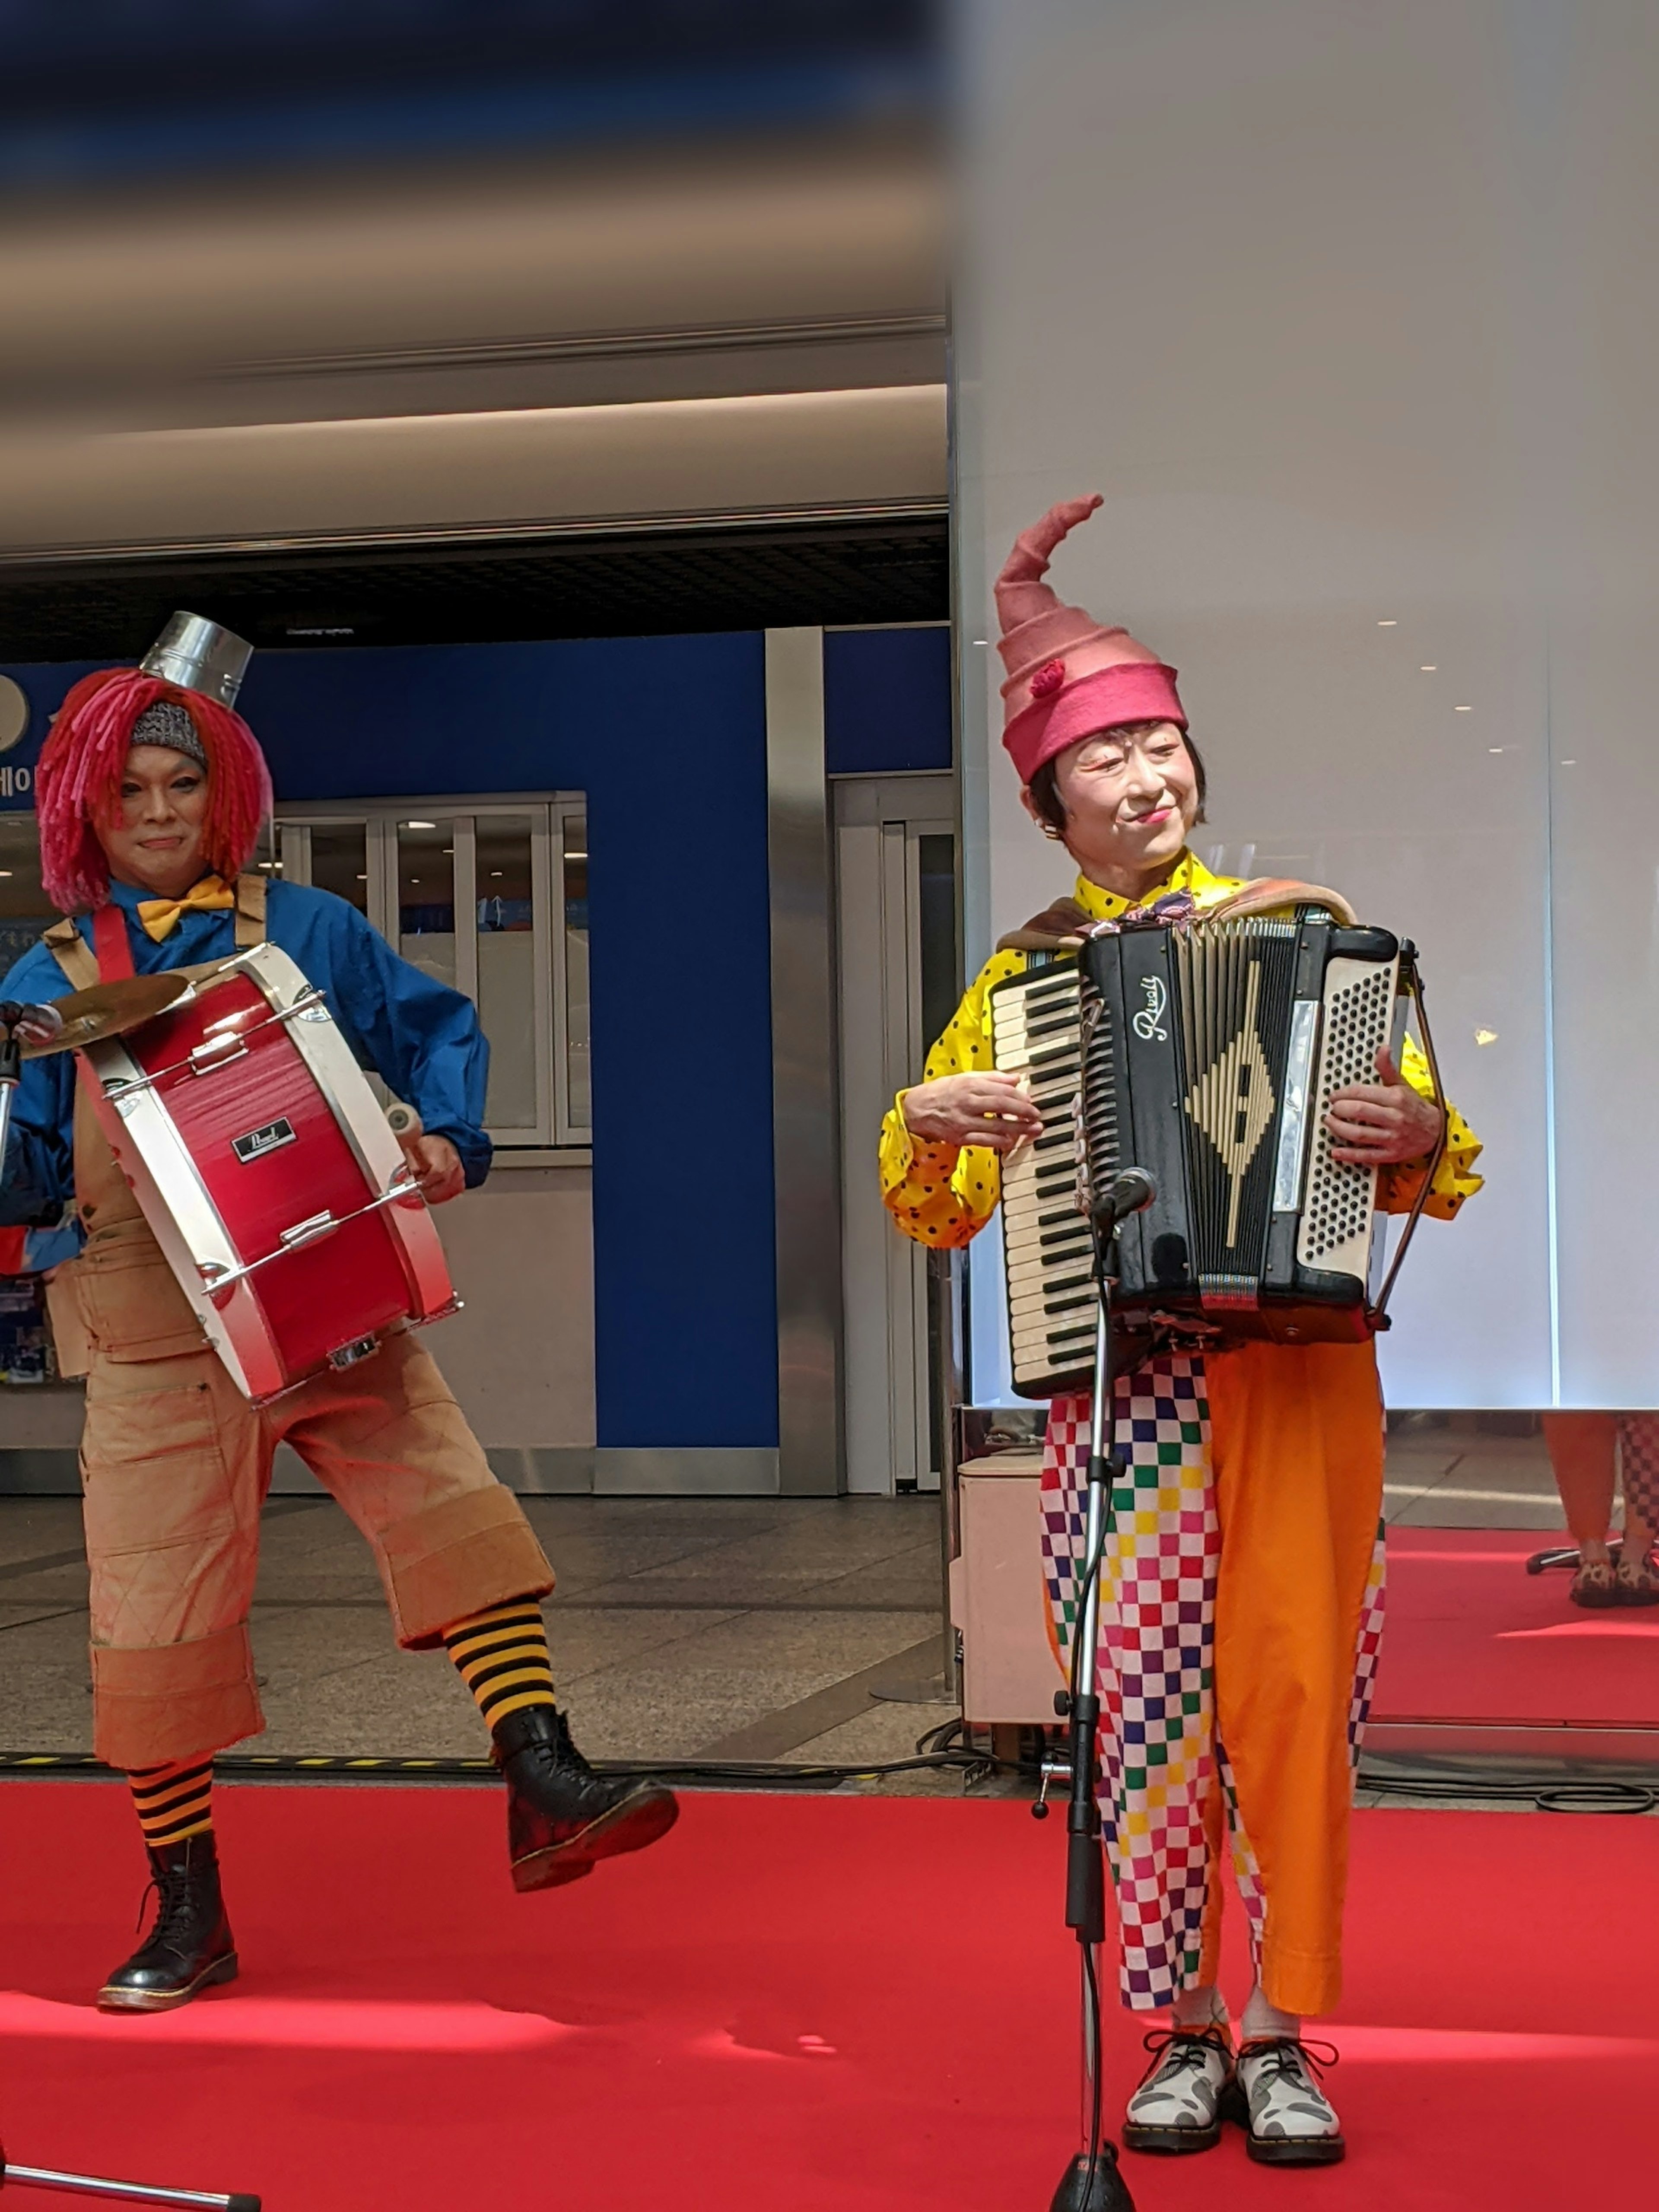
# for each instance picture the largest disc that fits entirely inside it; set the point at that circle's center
(943, 1196)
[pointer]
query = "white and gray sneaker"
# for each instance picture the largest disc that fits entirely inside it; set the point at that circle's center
(1276, 2096)
(1178, 2107)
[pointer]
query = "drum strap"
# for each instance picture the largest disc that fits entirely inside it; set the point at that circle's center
(112, 946)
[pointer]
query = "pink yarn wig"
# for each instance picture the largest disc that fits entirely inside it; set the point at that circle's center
(78, 782)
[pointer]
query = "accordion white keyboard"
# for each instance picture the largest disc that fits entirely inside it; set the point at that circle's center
(1047, 1245)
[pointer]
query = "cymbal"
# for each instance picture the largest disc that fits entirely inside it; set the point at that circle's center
(109, 1010)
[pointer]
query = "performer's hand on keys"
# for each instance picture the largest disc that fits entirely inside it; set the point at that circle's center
(438, 1169)
(1381, 1125)
(972, 1110)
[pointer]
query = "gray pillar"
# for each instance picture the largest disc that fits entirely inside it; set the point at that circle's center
(805, 1135)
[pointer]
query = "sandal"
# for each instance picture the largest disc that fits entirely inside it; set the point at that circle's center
(1635, 1582)
(1593, 1585)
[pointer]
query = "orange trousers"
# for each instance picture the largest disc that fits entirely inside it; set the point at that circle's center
(1240, 1592)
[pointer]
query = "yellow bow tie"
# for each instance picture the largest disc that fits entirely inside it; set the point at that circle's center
(159, 917)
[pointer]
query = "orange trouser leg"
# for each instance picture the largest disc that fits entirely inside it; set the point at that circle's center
(1582, 1448)
(1298, 1449)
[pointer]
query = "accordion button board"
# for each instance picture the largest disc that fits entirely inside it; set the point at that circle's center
(1206, 1054)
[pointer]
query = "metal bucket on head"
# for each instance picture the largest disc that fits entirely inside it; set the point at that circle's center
(200, 656)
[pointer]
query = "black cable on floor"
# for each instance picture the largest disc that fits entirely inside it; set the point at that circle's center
(251, 1766)
(1545, 1796)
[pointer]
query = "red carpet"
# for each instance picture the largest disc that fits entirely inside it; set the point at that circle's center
(1470, 1635)
(815, 2006)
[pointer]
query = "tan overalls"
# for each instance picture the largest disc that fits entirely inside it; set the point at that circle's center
(175, 1465)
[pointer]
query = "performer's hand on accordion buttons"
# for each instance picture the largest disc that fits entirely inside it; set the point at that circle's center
(1383, 1125)
(438, 1169)
(986, 1108)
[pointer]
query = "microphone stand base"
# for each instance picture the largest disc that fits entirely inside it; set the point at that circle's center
(1110, 2191)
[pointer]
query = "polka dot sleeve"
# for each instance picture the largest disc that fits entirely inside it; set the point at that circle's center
(1455, 1178)
(937, 1194)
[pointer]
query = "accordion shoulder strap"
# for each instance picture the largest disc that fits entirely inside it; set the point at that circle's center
(1268, 893)
(1057, 928)
(1060, 928)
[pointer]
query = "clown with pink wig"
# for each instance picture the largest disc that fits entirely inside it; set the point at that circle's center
(153, 793)
(1241, 1584)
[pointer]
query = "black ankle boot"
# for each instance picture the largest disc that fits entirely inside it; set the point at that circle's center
(561, 1816)
(190, 1947)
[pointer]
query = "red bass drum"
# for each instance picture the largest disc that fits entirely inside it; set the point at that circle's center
(264, 1165)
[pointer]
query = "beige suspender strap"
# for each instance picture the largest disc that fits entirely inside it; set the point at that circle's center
(250, 912)
(73, 954)
(79, 963)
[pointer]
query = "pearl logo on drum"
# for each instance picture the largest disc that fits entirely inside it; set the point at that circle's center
(258, 1142)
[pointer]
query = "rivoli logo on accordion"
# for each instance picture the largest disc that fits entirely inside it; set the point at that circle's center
(258, 1142)
(1148, 1024)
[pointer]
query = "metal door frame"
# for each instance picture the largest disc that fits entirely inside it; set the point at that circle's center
(879, 823)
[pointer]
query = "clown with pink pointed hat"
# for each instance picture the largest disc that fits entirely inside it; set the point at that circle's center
(1242, 1597)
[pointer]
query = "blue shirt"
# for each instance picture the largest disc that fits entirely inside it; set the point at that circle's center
(422, 1038)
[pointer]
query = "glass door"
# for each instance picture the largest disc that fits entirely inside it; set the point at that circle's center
(492, 901)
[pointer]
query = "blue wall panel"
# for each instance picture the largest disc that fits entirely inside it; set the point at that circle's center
(667, 737)
(886, 701)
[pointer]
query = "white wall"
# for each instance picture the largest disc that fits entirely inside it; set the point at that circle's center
(520, 1356)
(1350, 312)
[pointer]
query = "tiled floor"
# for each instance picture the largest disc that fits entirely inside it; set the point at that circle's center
(724, 1628)
(681, 1626)
(1439, 1477)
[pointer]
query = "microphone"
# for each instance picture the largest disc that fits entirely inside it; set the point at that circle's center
(1132, 1192)
(33, 1025)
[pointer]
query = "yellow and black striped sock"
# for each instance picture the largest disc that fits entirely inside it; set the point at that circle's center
(503, 1658)
(174, 1801)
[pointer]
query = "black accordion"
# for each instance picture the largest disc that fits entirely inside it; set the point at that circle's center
(1205, 1053)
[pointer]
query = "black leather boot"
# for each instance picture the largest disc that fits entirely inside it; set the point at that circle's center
(561, 1816)
(190, 1947)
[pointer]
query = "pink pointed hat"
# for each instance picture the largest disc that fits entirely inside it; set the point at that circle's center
(1067, 677)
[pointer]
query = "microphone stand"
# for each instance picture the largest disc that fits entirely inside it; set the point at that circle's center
(20, 1025)
(11, 1068)
(1092, 2182)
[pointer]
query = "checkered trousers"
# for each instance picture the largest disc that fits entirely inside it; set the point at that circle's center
(1369, 1648)
(1638, 1466)
(1161, 1759)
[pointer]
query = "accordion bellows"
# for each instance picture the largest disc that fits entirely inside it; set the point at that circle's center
(1205, 1053)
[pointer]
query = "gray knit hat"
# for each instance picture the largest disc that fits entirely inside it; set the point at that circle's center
(167, 723)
